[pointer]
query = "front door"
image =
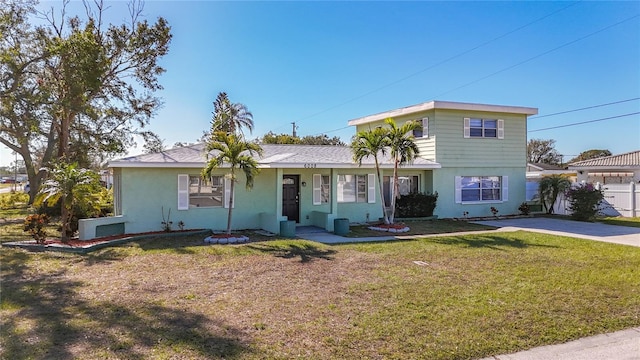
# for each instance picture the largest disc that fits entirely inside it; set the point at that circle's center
(291, 197)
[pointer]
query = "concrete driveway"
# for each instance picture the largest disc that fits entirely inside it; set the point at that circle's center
(585, 230)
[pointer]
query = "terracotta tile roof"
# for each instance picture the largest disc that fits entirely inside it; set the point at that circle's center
(627, 160)
(274, 156)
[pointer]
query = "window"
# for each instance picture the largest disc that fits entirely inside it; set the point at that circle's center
(424, 131)
(406, 185)
(483, 128)
(206, 192)
(481, 188)
(321, 189)
(356, 188)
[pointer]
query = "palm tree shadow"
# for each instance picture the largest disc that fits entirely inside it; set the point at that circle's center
(306, 252)
(61, 321)
(494, 242)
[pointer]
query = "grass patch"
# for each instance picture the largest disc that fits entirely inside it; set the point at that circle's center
(468, 297)
(621, 221)
(441, 226)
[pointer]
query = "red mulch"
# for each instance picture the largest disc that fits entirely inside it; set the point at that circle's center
(104, 239)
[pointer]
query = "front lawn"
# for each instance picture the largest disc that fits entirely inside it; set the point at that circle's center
(621, 221)
(441, 226)
(457, 297)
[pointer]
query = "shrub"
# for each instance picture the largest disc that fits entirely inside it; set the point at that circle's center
(583, 201)
(35, 224)
(524, 208)
(416, 205)
(13, 200)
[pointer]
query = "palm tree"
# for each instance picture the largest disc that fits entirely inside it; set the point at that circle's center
(230, 117)
(74, 188)
(403, 149)
(237, 153)
(550, 187)
(371, 143)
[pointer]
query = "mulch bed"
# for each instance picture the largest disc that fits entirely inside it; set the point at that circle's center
(85, 246)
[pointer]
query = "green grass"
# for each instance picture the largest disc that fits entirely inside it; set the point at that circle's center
(441, 226)
(472, 296)
(621, 221)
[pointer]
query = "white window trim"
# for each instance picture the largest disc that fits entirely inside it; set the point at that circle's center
(183, 193)
(317, 189)
(370, 190)
(499, 129)
(504, 191)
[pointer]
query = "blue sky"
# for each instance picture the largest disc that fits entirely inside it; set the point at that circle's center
(320, 64)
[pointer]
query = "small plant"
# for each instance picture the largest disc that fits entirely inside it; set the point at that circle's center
(524, 208)
(494, 211)
(34, 225)
(166, 222)
(181, 225)
(583, 201)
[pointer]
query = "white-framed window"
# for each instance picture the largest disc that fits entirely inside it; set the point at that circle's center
(406, 185)
(206, 192)
(483, 128)
(194, 191)
(424, 131)
(321, 189)
(356, 188)
(471, 189)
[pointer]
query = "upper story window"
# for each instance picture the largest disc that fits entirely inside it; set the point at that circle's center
(424, 131)
(483, 128)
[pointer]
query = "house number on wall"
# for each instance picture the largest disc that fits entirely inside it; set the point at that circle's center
(310, 166)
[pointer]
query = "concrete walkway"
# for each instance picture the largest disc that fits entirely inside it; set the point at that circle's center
(620, 345)
(624, 235)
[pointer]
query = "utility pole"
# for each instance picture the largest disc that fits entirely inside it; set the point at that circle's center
(294, 128)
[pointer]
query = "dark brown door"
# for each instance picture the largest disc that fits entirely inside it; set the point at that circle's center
(290, 197)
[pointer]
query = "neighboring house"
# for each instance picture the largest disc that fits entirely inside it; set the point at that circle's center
(614, 169)
(619, 178)
(536, 171)
(473, 155)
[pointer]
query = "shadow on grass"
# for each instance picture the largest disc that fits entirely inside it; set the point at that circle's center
(495, 242)
(43, 316)
(306, 252)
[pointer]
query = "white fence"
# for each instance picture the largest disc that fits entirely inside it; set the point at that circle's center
(619, 200)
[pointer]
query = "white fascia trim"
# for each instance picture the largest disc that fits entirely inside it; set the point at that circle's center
(445, 105)
(604, 168)
(345, 166)
(271, 165)
(126, 164)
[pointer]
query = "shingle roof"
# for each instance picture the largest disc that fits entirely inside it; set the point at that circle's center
(627, 160)
(543, 166)
(274, 156)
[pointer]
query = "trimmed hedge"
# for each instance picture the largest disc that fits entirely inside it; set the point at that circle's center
(416, 205)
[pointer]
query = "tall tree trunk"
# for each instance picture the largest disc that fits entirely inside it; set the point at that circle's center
(395, 191)
(381, 187)
(230, 205)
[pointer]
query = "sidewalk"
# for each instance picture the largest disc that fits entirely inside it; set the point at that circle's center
(620, 345)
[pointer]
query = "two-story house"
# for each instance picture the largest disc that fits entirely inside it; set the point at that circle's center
(473, 155)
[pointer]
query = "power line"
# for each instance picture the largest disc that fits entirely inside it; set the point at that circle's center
(520, 63)
(586, 122)
(540, 55)
(585, 108)
(438, 63)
